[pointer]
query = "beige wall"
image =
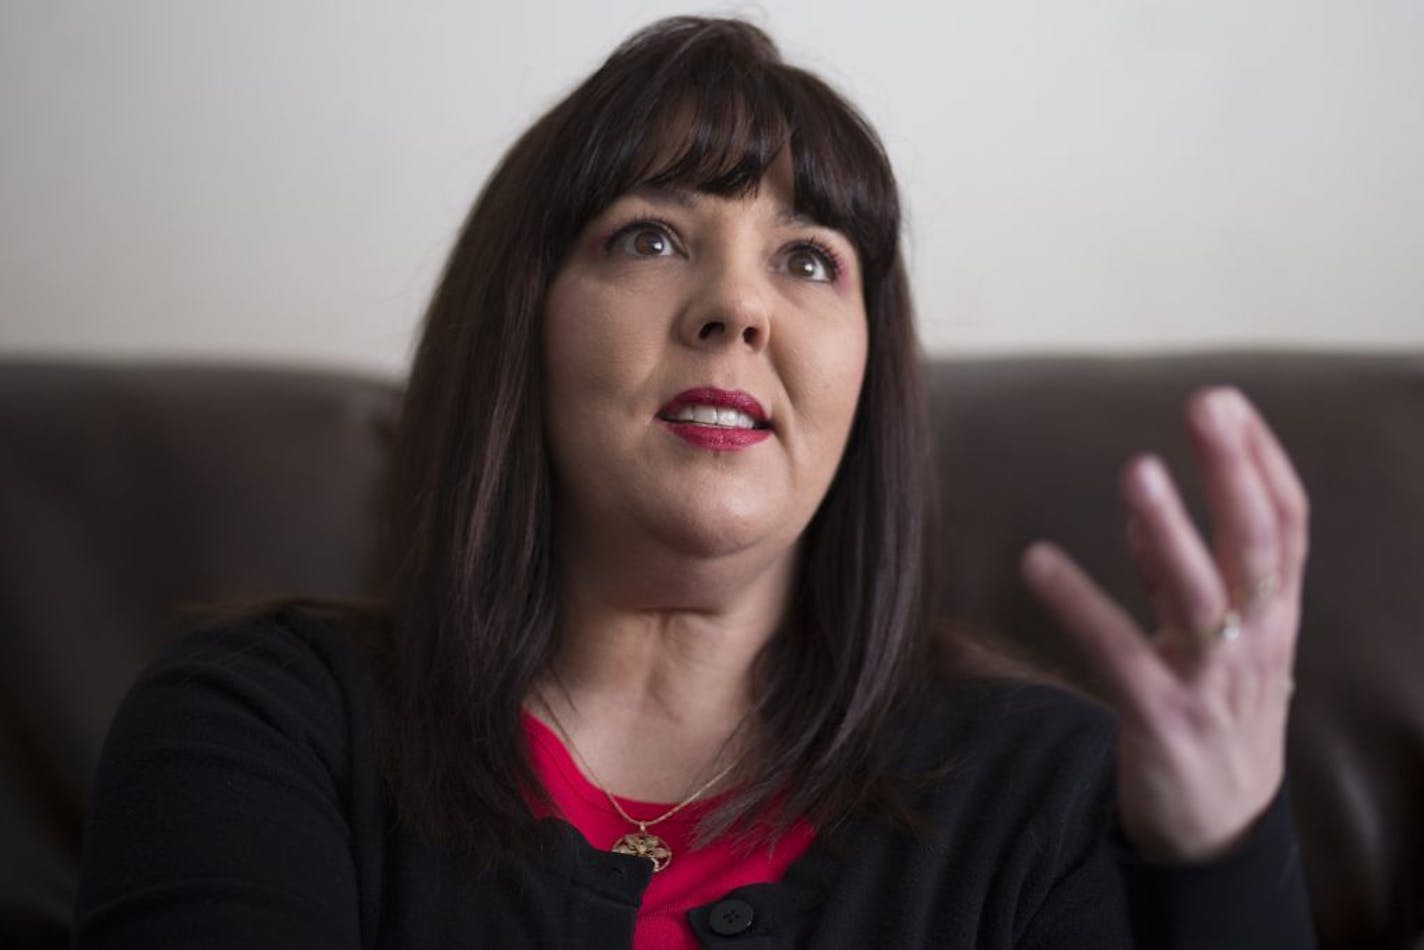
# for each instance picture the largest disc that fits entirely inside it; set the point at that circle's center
(281, 179)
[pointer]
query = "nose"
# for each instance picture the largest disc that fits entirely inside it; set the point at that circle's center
(731, 307)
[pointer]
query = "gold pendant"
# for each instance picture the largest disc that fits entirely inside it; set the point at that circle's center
(644, 845)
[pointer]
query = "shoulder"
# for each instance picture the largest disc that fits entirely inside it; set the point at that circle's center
(286, 673)
(287, 643)
(991, 719)
(239, 771)
(1027, 754)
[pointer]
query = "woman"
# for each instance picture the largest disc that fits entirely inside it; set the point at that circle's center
(651, 669)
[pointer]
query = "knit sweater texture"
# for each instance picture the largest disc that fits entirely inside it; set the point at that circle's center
(240, 803)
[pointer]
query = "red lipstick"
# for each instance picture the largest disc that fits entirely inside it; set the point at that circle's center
(718, 438)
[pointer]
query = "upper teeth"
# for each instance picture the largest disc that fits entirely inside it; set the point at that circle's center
(713, 416)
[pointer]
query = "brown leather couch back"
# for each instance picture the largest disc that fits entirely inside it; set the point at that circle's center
(127, 491)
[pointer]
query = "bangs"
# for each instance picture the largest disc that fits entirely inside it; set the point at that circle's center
(709, 109)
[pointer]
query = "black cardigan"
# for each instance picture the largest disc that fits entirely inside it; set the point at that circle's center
(239, 804)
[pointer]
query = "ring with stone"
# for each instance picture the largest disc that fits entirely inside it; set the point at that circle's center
(1229, 629)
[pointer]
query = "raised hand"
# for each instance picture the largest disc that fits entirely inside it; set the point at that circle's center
(1203, 701)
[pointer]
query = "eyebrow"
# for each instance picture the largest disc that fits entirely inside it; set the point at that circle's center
(689, 199)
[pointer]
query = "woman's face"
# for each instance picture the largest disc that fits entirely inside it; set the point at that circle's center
(704, 357)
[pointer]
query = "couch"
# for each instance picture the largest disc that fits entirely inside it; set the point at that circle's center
(132, 493)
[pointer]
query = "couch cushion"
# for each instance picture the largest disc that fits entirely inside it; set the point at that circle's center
(126, 493)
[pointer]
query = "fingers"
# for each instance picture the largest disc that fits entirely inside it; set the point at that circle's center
(1134, 672)
(1247, 532)
(1287, 494)
(1259, 514)
(1190, 597)
(1149, 568)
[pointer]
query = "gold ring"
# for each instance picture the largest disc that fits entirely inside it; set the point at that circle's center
(1229, 629)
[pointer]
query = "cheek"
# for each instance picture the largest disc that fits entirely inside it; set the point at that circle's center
(599, 355)
(583, 345)
(567, 322)
(835, 381)
(827, 372)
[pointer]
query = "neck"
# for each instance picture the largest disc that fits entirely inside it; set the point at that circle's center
(654, 673)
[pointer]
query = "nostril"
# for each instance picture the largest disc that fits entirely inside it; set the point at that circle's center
(749, 335)
(709, 330)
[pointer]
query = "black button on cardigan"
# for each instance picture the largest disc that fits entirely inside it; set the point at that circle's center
(729, 918)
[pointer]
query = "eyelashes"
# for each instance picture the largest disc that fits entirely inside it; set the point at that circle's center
(628, 238)
(828, 258)
(806, 258)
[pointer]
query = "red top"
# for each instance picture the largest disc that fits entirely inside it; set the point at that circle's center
(691, 878)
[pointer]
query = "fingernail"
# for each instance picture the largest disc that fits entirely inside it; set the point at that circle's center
(1223, 412)
(1231, 405)
(1220, 417)
(1152, 477)
(1039, 561)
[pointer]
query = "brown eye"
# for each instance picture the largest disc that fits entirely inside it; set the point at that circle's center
(810, 263)
(650, 242)
(643, 239)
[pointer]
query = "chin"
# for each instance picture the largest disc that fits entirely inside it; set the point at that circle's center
(711, 531)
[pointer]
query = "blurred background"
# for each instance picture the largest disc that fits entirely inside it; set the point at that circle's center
(281, 180)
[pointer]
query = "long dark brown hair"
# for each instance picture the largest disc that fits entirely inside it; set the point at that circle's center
(702, 104)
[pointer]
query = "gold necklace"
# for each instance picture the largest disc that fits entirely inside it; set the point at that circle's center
(640, 843)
